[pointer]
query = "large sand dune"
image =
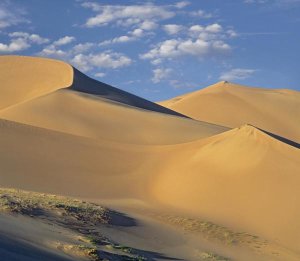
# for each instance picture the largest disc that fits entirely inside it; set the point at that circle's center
(241, 177)
(102, 145)
(232, 105)
(24, 78)
(92, 116)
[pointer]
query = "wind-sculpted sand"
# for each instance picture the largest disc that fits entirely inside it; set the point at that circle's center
(232, 105)
(181, 188)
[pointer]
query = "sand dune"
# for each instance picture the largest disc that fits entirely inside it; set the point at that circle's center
(93, 109)
(232, 105)
(23, 78)
(84, 84)
(242, 177)
(82, 138)
(92, 116)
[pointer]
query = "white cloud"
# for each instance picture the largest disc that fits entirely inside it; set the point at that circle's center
(82, 47)
(100, 60)
(11, 15)
(178, 47)
(100, 74)
(64, 40)
(15, 45)
(182, 4)
(122, 14)
(232, 33)
(236, 74)
(173, 28)
(201, 14)
(182, 85)
(132, 36)
(51, 51)
(213, 28)
(256, 1)
(137, 32)
(34, 38)
(160, 74)
(21, 41)
(208, 32)
(148, 25)
(275, 3)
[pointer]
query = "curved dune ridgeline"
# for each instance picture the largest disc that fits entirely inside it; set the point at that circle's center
(24, 78)
(93, 109)
(79, 137)
(232, 105)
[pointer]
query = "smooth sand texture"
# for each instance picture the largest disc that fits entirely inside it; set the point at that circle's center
(232, 105)
(241, 177)
(24, 78)
(80, 144)
(92, 116)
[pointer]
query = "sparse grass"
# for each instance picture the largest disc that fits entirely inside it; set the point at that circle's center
(214, 231)
(208, 256)
(39, 204)
(79, 216)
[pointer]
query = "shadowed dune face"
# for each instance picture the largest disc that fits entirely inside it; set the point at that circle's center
(84, 84)
(233, 105)
(25, 78)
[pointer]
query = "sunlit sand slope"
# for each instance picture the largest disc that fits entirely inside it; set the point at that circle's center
(92, 116)
(232, 105)
(23, 78)
(241, 177)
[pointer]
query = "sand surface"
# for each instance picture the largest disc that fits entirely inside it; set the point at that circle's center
(197, 190)
(232, 105)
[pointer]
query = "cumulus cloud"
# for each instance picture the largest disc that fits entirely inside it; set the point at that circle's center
(160, 74)
(201, 14)
(83, 55)
(148, 25)
(21, 41)
(82, 47)
(173, 28)
(64, 40)
(100, 60)
(198, 45)
(205, 31)
(34, 38)
(126, 14)
(11, 15)
(53, 51)
(182, 4)
(236, 74)
(199, 41)
(100, 74)
(133, 35)
(15, 45)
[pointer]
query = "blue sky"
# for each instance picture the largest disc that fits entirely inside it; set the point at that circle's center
(160, 49)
